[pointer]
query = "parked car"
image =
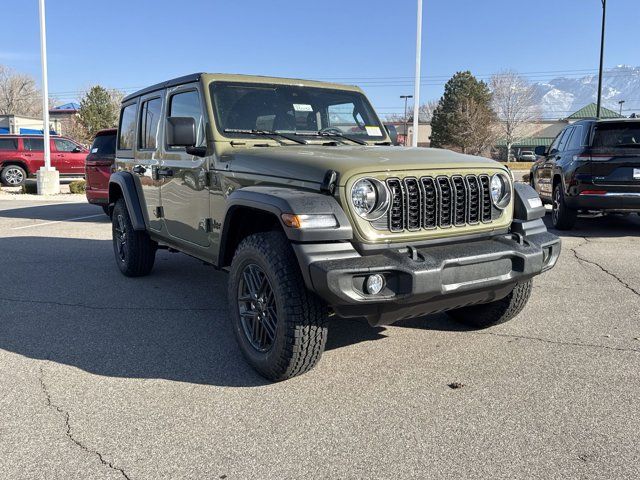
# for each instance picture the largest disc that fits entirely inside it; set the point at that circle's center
(527, 156)
(99, 167)
(591, 166)
(22, 155)
(294, 187)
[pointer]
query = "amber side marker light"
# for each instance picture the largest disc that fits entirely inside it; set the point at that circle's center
(309, 221)
(593, 192)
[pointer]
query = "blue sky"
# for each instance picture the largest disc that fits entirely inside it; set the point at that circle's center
(133, 43)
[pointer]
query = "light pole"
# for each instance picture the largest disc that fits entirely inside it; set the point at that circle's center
(406, 120)
(416, 91)
(621, 102)
(604, 14)
(47, 178)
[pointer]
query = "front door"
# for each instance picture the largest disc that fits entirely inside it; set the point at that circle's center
(65, 155)
(184, 188)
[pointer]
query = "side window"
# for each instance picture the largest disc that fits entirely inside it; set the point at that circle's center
(149, 121)
(34, 144)
(8, 143)
(63, 145)
(187, 104)
(127, 128)
(565, 139)
(575, 142)
(556, 142)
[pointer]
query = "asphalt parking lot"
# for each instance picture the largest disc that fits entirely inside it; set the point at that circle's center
(103, 376)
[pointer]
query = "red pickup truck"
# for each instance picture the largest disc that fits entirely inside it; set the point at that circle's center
(22, 155)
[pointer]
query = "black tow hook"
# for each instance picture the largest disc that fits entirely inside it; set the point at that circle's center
(414, 254)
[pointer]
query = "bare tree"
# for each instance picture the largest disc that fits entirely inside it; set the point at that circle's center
(425, 111)
(475, 127)
(18, 94)
(513, 102)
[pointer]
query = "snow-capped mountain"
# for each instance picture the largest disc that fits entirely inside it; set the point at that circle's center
(562, 96)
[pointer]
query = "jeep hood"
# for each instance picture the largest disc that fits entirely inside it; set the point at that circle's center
(311, 162)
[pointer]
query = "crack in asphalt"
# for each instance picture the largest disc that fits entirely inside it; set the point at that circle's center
(69, 433)
(98, 307)
(611, 274)
(558, 342)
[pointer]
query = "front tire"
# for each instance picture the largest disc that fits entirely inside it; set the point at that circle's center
(494, 313)
(280, 326)
(562, 217)
(134, 250)
(13, 176)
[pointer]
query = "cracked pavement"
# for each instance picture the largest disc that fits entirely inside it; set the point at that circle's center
(103, 376)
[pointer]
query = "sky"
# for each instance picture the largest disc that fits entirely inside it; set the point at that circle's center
(130, 44)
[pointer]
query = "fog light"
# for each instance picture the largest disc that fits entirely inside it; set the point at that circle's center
(375, 284)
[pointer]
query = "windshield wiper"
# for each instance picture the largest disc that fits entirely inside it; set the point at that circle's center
(264, 133)
(332, 134)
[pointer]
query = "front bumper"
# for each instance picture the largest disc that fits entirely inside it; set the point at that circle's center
(426, 280)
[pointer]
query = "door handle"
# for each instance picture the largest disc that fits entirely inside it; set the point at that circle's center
(139, 169)
(164, 172)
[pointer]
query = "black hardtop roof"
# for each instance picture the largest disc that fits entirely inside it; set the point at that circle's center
(194, 77)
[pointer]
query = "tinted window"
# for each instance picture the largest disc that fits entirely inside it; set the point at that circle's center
(64, 145)
(8, 143)
(565, 139)
(104, 144)
(149, 121)
(33, 144)
(575, 142)
(127, 127)
(187, 104)
(556, 142)
(617, 135)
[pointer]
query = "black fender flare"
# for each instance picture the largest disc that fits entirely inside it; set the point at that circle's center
(279, 200)
(126, 184)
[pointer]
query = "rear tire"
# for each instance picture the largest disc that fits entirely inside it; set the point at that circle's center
(562, 217)
(13, 176)
(134, 250)
(280, 326)
(494, 313)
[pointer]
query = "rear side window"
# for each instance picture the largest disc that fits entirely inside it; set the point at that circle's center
(127, 127)
(33, 144)
(104, 144)
(187, 104)
(8, 143)
(617, 135)
(149, 121)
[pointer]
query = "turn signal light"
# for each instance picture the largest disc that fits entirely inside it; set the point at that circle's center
(309, 221)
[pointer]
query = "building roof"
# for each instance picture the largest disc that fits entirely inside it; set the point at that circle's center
(589, 111)
(528, 142)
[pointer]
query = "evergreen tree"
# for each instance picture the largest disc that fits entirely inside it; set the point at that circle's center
(99, 109)
(463, 119)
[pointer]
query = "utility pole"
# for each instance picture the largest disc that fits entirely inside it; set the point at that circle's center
(604, 14)
(416, 91)
(621, 102)
(406, 120)
(47, 178)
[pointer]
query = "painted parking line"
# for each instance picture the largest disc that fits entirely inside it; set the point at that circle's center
(57, 221)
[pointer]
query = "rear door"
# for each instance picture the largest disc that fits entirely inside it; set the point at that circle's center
(185, 192)
(34, 154)
(544, 178)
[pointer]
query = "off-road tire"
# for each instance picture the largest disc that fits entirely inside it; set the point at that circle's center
(139, 251)
(302, 317)
(562, 217)
(494, 313)
(10, 175)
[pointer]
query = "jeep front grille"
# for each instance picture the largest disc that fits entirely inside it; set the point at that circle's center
(437, 202)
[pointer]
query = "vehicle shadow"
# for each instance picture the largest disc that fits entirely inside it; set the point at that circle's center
(608, 226)
(66, 302)
(57, 212)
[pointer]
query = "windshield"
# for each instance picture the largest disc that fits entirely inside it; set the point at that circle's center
(617, 135)
(293, 109)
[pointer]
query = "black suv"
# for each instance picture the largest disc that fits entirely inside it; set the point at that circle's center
(591, 166)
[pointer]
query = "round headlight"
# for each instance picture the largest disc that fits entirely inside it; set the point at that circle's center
(370, 198)
(500, 190)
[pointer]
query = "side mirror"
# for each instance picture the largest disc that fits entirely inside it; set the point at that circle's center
(77, 150)
(393, 133)
(181, 132)
(541, 151)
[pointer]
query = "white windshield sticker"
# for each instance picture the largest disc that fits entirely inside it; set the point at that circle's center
(302, 107)
(535, 202)
(373, 131)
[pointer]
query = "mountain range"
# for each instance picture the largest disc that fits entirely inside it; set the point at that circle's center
(562, 96)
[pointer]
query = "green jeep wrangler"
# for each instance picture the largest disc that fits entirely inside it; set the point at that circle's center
(293, 187)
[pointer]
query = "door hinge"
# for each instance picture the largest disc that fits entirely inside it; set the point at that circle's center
(159, 212)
